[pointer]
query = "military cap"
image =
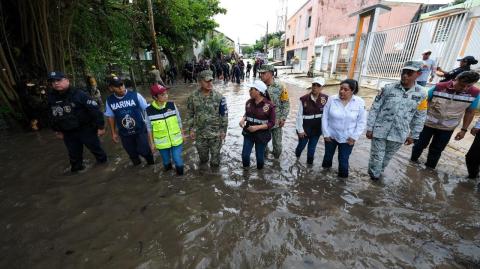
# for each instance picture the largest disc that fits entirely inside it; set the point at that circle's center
(56, 75)
(205, 75)
(266, 68)
(413, 65)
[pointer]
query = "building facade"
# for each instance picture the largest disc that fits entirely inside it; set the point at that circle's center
(319, 22)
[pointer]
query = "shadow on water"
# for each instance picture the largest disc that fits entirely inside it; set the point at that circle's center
(288, 215)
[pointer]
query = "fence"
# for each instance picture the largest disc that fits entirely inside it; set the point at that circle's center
(381, 54)
(386, 51)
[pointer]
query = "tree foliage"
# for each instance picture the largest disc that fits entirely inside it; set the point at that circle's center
(273, 40)
(177, 22)
(216, 46)
(248, 50)
(86, 36)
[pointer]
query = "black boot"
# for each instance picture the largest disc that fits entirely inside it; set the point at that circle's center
(150, 160)
(179, 170)
(309, 160)
(136, 161)
(167, 167)
(77, 168)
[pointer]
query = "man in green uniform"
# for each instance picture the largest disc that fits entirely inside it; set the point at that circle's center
(278, 95)
(396, 117)
(207, 119)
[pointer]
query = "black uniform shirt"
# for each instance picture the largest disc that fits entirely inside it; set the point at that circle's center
(72, 110)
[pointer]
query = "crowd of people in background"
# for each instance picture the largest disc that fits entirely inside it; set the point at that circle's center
(229, 69)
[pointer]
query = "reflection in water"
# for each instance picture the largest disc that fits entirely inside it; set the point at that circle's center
(288, 215)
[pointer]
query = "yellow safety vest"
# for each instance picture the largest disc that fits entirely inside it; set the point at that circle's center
(165, 126)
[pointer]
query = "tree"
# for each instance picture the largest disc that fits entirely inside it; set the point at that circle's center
(216, 46)
(275, 42)
(248, 50)
(260, 44)
(179, 22)
(87, 36)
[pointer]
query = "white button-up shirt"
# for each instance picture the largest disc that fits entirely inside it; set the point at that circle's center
(299, 120)
(341, 122)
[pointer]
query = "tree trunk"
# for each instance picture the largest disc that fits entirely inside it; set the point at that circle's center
(37, 35)
(46, 33)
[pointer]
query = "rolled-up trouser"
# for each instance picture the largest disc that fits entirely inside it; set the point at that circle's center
(381, 151)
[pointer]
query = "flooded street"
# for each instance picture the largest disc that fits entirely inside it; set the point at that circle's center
(288, 215)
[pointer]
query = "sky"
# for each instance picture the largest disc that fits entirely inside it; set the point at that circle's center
(247, 19)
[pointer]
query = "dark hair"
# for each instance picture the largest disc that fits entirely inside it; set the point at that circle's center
(468, 77)
(352, 84)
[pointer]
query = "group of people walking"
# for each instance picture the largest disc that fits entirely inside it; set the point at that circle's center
(141, 128)
(402, 113)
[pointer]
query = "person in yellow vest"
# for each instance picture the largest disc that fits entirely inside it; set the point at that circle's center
(165, 128)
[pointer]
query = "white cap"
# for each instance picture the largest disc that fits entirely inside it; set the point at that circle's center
(319, 80)
(259, 85)
(427, 51)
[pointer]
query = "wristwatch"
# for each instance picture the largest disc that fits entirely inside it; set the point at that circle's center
(464, 129)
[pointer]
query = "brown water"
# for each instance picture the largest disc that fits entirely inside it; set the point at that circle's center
(289, 215)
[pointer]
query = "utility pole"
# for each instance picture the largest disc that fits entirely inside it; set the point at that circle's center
(266, 41)
(156, 55)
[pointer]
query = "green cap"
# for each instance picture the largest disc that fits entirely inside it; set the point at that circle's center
(413, 65)
(205, 75)
(266, 68)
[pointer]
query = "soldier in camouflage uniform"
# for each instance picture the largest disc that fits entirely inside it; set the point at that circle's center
(207, 119)
(278, 95)
(396, 117)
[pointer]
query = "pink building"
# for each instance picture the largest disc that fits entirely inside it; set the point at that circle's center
(322, 21)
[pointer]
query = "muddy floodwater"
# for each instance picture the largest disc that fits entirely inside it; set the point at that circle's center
(289, 215)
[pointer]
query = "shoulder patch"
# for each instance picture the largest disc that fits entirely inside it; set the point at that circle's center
(284, 95)
(92, 102)
(423, 105)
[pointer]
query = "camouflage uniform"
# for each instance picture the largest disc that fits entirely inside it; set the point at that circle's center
(207, 116)
(278, 95)
(396, 114)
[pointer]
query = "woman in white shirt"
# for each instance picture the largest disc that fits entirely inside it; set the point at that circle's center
(344, 120)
